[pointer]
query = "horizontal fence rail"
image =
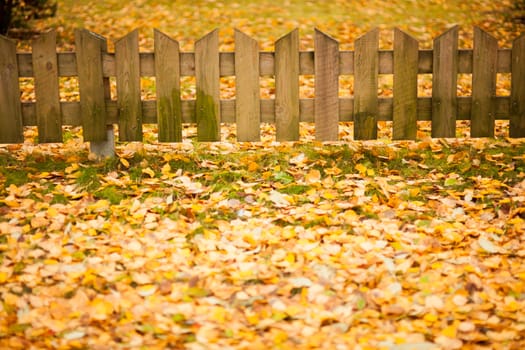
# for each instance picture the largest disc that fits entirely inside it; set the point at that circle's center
(93, 66)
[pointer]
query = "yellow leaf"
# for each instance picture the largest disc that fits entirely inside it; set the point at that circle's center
(361, 168)
(449, 331)
(252, 166)
(166, 169)
(280, 336)
(431, 318)
(218, 314)
(72, 168)
(249, 239)
(52, 212)
(252, 319)
(396, 245)
(3, 276)
(101, 308)
(414, 192)
(437, 265)
(148, 171)
(329, 194)
(313, 176)
(10, 299)
(146, 290)
(124, 162)
(89, 277)
(11, 203)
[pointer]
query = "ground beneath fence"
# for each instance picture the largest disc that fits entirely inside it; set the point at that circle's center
(365, 245)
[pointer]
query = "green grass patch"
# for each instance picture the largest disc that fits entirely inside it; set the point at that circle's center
(111, 193)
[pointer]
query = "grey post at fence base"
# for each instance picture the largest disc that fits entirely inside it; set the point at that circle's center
(104, 149)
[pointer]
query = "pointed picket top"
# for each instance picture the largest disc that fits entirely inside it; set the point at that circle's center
(11, 129)
(517, 92)
(45, 69)
(89, 47)
(444, 83)
(406, 56)
(366, 72)
(167, 80)
(326, 104)
(484, 69)
(287, 87)
(247, 99)
(207, 79)
(127, 66)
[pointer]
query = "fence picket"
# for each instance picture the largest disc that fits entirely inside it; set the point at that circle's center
(444, 84)
(517, 93)
(45, 68)
(207, 82)
(366, 69)
(405, 86)
(287, 87)
(92, 87)
(127, 62)
(11, 130)
(247, 94)
(97, 112)
(167, 79)
(485, 57)
(326, 104)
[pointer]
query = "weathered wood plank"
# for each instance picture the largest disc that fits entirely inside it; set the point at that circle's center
(405, 86)
(167, 71)
(67, 66)
(247, 90)
(444, 84)
(326, 87)
(483, 84)
(207, 82)
(71, 110)
(45, 67)
(287, 87)
(267, 63)
(11, 130)
(89, 50)
(517, 92)
(365, 86)
(127, 62)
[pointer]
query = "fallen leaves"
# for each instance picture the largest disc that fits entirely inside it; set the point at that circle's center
(314, 245)
(394, 245)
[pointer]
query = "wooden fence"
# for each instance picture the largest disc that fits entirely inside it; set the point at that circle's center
(93, 65)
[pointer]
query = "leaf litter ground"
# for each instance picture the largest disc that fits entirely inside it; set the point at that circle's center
(371, 245)
(264, 245)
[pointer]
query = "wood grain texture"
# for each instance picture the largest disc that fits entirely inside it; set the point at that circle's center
(444, 84)
(207, 82)
(67, 66)
(517, 92)
(287, 87)
(483, 84)
(405, 86)
(247, 90)
(326, 87)
(11, 130)
(127, 63)
(45, 67)
(89, 50)
(167, 79)
(365, 86)
(71, 110)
